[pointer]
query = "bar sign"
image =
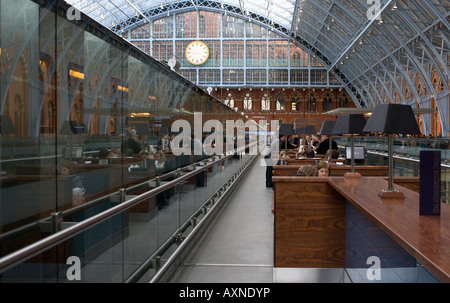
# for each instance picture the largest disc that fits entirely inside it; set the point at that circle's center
(430, 182)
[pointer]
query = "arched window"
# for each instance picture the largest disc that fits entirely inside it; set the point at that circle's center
(229, 100)
(281, 103)
(344, 101)
(327, 104)
(312, 104)
(248, 103)
(295, 103)
(265, 103)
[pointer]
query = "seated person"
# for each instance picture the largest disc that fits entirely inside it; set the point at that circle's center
(114, 153)
(332, 154)
(131, 147)
(103, 153)
(161, 164)
(307, 171)
(306, 151)
(323, 169)
(65, 169)
(283, 156)
(284, 143)
(309, 153)
(324, 145)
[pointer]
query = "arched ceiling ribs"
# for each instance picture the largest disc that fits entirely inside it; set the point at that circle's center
(378, 45)
(442, 64)
(361, 32)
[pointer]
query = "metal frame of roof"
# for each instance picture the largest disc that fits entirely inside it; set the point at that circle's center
(380, 52)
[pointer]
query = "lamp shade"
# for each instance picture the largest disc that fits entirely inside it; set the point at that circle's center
(163, 131)
(286, 129)
(392, 119)
(6, 126)
(310, 130)
(349, 124)
(72, 128)
(142, 129)
(299, 131)
(327, 127)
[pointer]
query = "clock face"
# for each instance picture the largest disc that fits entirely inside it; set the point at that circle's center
(197, 52)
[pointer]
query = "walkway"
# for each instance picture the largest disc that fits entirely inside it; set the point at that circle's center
(238, 246)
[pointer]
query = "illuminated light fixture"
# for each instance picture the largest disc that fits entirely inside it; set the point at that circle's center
(76, 74)
(122, 88)
(133, 115)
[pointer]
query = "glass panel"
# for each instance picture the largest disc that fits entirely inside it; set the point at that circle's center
(163, 28)
(209, 26)
(233, 53)
(64, 155)
(28, 183)
(256, 53)
(232, 27)
(233, 76)
(186, 25)
(278, 53)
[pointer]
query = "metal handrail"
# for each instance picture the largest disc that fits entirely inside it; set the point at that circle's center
(76, 209)
(148, 263)
(25, 253)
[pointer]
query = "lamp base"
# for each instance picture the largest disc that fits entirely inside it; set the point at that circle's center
(352, 175)
(391, 194)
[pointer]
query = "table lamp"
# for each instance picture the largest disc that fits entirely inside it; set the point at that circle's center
(299, 131)
(327, 129)
(310, 130)
(286, 130)
(392, 119)
(350, 124)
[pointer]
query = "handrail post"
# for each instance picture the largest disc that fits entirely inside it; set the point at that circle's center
(122, 195)
(57, 218)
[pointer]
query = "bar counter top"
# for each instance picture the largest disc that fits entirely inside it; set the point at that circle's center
(426, 238)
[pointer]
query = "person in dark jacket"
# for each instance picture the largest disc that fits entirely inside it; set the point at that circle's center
(325, 145)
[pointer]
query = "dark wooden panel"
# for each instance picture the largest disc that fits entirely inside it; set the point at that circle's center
(309, 224)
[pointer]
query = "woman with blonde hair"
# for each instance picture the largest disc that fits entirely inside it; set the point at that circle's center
(160, 160)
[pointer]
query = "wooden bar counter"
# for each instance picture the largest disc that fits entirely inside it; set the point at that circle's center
(310, 222)
(425, 238)
(335, 170)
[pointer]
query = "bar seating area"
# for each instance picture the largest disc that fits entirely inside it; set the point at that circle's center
(344, 222)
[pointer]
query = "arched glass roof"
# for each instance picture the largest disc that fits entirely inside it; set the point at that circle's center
(384, 51)
(110, 13)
